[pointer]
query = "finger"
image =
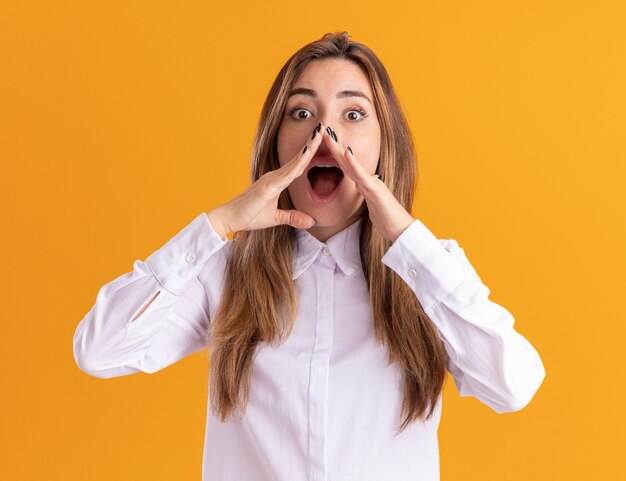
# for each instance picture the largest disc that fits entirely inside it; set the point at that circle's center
(294, 218)
(370, 188)
(308, 149)
(279, 179)
(304, 157)
(348, 162)
(295, 167)
(349, 165)
(362, 175)
(336, 150)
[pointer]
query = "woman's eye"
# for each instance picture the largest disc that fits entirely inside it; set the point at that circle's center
(352, 116)
(299, 115)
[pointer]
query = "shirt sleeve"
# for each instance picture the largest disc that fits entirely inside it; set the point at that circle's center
(108, 342)
(487, 358)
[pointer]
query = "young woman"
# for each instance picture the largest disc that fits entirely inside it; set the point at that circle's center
(333, 315)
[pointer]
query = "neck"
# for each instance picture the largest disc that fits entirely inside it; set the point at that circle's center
(323, 233)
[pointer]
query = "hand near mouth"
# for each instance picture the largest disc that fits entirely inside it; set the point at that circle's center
(257, 206)
(388, 216)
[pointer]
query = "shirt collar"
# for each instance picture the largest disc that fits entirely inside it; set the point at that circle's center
(344, 248)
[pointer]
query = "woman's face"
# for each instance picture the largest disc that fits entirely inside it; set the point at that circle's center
(353, 119)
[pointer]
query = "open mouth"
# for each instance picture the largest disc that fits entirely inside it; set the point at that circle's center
(324, 182)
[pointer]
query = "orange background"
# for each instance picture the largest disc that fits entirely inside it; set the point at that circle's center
(121, 121)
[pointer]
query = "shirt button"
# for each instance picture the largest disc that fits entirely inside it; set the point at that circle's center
(326, 251)
(412, 272)
(190, 257)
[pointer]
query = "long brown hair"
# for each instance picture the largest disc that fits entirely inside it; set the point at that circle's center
(264, 307)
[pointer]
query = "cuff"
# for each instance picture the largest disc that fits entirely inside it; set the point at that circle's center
(181, 259)
(429, 268)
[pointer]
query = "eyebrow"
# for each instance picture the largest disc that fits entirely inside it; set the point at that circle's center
(340, 95)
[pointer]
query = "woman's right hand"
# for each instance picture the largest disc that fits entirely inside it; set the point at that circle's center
(257, 206)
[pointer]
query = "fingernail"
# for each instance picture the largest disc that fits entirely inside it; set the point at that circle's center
(316, 129)
(334, 135)
(329, 130)
(314, 223)
(350, 150)
(376, 175)
(304, 150)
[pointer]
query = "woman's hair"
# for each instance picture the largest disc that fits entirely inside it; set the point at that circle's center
(258, 303)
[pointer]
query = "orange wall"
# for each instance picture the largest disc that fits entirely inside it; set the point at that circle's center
(120, 121)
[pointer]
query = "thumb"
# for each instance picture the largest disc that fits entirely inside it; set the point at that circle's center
(295, 218)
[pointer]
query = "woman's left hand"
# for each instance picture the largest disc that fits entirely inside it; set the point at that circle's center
(388, 216)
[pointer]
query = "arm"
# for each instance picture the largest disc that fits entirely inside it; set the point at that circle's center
(156, 314)
(487, 357)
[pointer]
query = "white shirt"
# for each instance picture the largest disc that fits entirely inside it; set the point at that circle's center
(323, 406)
